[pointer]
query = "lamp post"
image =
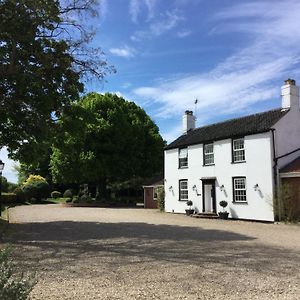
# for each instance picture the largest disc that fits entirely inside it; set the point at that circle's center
(1, 169)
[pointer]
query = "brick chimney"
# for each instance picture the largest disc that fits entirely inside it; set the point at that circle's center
(188, 121)
(290, 95)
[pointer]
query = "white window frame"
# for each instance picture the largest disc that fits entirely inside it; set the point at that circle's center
(238, 153)
(239, 190)
(208, 155)
(183, 192)
(183, 158)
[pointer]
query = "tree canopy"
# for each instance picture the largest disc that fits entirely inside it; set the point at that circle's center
(44, 55)
(104, 138)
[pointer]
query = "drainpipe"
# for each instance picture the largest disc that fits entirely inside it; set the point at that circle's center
(276, 176)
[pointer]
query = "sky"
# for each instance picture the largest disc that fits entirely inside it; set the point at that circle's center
(233, 56)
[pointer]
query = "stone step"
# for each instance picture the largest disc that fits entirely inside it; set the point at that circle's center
(206, 215)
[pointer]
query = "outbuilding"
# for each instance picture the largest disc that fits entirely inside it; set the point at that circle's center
(150, 191)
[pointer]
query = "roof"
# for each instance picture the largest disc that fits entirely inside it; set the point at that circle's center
(293, 166)
(155, 181)
(238, 127)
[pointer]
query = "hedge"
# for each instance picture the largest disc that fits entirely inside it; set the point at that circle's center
(9, 198)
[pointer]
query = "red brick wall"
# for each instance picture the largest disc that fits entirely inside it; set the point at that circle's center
(293, 191)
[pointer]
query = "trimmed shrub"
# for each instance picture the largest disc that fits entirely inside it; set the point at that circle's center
(189, 203)
(8, 198)
(21, 197)
(223, 203)
(68, 194)
(75, 199)
(12, 286)
(55, 194)
(86, 199)
(161, 198)
(36, 187)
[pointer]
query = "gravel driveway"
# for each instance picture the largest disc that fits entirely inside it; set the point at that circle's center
(100, 253)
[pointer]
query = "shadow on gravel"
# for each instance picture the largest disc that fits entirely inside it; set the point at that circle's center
(57, 245)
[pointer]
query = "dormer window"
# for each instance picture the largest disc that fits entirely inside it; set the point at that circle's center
(183, 158)
(238, 150)
(208, 154)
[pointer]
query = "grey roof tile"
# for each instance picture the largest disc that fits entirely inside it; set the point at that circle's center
(238, 127)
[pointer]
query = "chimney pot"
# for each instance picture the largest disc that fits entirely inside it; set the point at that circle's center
(188, 112)
(290, 95)
(188, 121)
(290, 81)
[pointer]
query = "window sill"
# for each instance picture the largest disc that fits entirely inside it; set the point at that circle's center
(239, 202)
(208, 165)
(238, 162)
(183, 167)
(183, 200)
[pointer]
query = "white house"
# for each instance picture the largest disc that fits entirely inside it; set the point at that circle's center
(237, 160)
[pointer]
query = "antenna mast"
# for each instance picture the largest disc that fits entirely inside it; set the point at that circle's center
(196, 102)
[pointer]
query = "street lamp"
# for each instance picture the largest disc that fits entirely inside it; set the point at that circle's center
(1, 169)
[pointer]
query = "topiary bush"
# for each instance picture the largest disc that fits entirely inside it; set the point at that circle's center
(12, 286)
(223, 204)
(55, 194)
(189, 203)
(68, 194)
(21, 197)
(36, 187)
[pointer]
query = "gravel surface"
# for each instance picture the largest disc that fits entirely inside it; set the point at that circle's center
(100, 253)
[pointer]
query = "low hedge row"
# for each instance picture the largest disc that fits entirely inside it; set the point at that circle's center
(9, 198)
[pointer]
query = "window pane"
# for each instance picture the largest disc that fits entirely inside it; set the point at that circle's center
(240, 189)
(183, 162)
(183, 158)
(238, 144)
(183, 153)
(208, 154)
(183, 184)
(238, 150)
(208, 148)
(183, 190)
(209, 159)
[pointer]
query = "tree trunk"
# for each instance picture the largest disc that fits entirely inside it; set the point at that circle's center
(103, 188)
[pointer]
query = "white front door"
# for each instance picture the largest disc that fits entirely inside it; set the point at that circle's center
(208, 199)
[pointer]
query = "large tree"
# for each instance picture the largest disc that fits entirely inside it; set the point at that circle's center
(44, 55)
(104, 139)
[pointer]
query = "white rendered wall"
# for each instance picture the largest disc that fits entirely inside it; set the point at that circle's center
(287, 136)
(257, 169)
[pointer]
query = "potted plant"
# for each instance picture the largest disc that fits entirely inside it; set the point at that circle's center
(223, 214)
(189, 211)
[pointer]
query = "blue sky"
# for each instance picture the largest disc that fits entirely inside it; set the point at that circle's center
(232, 56)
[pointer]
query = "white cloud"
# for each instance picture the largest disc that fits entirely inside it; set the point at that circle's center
(126, 85)
(136, 8)
(151, 8)
(245, 77)
(171, 135)
(124, 51)
(166, 22)
(184, 33)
